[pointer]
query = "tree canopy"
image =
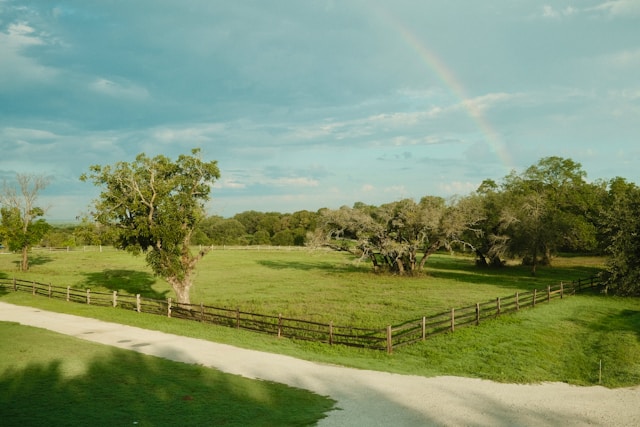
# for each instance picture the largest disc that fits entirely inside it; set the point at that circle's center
(621, 229)
(153, 205)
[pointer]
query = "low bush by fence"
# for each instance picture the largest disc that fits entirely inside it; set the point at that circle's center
(393, 336)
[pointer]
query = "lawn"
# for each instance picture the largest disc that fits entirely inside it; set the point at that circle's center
(51, 379)
(567, 340)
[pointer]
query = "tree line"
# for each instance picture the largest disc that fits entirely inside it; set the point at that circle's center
(156, 206)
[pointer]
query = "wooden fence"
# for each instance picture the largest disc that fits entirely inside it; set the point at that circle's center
(393, 336)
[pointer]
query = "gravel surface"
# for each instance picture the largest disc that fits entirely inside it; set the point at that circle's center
(368, 398)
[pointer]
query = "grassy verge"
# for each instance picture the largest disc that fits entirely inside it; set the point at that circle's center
(563, 341)
(51, 379)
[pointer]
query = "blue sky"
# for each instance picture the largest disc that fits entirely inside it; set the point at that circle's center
(318, 103)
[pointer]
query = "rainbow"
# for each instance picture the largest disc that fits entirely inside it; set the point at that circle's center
(446, 75)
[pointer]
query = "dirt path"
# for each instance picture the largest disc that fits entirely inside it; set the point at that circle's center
(368, 398)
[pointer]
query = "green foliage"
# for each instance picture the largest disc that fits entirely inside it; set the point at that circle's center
(400, 236)
(154, 205)
(622, 230)
(22, 225)
(533, 215)
(265, 228)
(20, 232)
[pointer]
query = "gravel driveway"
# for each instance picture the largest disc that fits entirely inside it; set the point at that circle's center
(368, 398)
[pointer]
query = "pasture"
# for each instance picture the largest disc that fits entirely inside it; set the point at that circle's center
(563, 341)
(319, 286)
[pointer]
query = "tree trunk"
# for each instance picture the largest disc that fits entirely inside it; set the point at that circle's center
(429, 251)
(24, 265)
(481, 260)
(181, 288)
(534, 263)
(400, 265)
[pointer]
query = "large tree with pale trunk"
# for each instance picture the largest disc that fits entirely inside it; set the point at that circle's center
(153, 206)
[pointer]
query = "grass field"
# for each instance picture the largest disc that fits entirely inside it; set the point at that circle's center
(562, 341)
(52, 379)
(311, 285)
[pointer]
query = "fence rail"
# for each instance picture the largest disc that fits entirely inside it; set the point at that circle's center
(393, 336)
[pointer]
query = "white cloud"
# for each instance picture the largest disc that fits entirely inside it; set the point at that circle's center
(17, 67)
(199, 133)
(296, 182)
(553, 13)
(457, 187)
(489, 100)
(126, 90)
(13, 133)
(229, 183)
(625, 58)
(619, 8)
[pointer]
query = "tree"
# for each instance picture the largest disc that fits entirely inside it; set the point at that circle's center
(22, 225)
(154, 205)
(538, 212)
(621, 229)
(399, 237)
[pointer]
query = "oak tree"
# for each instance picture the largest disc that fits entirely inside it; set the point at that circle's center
(154, 205)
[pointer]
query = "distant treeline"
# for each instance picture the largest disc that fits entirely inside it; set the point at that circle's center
(549, 208)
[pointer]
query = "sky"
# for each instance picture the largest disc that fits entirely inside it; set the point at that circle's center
(308, 104)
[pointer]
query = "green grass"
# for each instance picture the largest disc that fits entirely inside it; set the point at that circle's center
(311, 285)
(562, 341)
(51, 379)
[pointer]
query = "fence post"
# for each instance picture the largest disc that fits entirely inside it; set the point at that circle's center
(68, 292)
(498, 306)
(453, 319)
(115, 298)
(238, 318)
(389, 340)
(561, 290)
(279, 325)
(49, 290)
(535, 293)
(331, 332)
(169, 307)
(517, 301)
(424, 328)
(138, 303)
(548, 293)
(477, 313)
(15, 285)
(201, 311)
(88, 296)
(33, 288)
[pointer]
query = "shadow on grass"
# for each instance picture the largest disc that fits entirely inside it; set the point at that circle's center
(624, 320)
(127, 388)
(35, 260)
(315, 265)
(515, 277)
(4, 285)
(128, 281)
